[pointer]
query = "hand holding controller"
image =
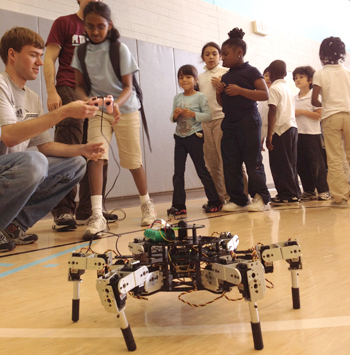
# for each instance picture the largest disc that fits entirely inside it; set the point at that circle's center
(103, 101)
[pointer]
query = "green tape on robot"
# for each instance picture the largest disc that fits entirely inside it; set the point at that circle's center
(158, 236)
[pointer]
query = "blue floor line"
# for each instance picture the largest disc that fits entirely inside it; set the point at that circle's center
(40, 261)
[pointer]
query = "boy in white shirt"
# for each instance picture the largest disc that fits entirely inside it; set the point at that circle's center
(311, 156)
(282, 137)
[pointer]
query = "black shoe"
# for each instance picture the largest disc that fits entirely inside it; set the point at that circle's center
(175, 212)
(110, 217)
(17, 234)
(64, 222)
(212, 208)
(277, 201)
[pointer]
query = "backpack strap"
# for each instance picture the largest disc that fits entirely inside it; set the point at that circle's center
(114, 56)
(81, 57)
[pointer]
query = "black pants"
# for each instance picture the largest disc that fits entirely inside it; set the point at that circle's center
(74, 131)
(311, 163)
(192, 145)
(283, 164)
(238, 146)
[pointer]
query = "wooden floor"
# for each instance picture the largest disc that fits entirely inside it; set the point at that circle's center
(36, 296)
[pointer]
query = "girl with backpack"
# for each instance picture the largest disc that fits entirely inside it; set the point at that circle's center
(101, 80)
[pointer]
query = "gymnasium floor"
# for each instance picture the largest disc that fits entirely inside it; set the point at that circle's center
(36, 296)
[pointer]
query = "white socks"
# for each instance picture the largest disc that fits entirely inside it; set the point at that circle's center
(96, 205)
(144, 199)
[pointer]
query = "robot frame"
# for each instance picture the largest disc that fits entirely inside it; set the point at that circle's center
(162, 261)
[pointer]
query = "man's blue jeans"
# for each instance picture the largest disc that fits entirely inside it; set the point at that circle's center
(32, 184)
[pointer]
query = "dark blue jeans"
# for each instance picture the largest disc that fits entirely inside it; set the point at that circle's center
(238, 146)
(192, 145)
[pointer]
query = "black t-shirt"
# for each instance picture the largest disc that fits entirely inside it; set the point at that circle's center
(238, 109)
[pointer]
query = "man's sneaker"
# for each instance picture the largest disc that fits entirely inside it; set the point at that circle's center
(257, 204)
(324, 196)
(149, 214)
(232, 207)
(17, 234)
(308, 196)
(212, 208)
(64, 222)
(175, 212)
(277, 201)
(6, 244)
(342, 204)
(96, 224)
(110, 218)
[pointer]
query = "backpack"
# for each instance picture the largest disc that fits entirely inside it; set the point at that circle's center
(115, 60)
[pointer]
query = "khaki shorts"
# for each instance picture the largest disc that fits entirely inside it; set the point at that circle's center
(127, 132)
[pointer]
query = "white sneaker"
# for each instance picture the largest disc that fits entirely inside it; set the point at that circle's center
(324, 196)
(96, 224)
(232, 207)
(257, 204)
(149, 214)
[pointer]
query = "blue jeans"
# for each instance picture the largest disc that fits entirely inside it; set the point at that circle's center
(32, 184)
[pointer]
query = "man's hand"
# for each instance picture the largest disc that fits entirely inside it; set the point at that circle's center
(80, 109)
(92, 151)
(54, 101)
(232, 90)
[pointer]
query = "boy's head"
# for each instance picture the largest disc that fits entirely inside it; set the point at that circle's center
(332, 51)
(277, 70)
(266, 74)
(17, 38)
(302, 76)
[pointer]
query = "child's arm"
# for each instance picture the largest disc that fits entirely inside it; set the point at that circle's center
(125, 94)
(316, 90)
(271, 125)
(259, 94)
(315, 115)
(219, 89)
(80, 86)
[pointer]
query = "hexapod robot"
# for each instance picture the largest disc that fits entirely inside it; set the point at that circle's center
(168, 259)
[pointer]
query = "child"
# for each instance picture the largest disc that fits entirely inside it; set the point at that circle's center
(237, 93)
(189, 110)
(282, 137)
(333, 83)
(125, 120)
(207, 83)
(263, 108)
(310, 162)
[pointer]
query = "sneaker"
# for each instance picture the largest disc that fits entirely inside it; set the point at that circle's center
(64, 222)
(324, 196)
(96, 224)
(110, 218)
(342, 204)
(277, 201)
(232, 207)
(257, 204)
(175, 212)
(17, 234)
(308, 196)
(212, 208)
(149, 214)
(6, 244)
